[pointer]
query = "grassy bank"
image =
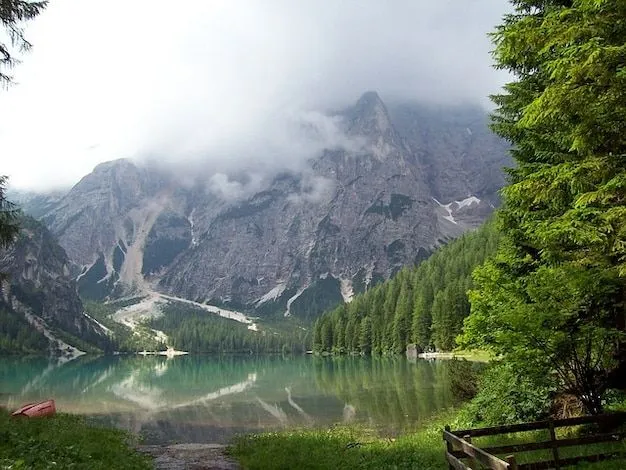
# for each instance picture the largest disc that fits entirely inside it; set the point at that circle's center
(342, 447)
(357, 448)
(64, 441)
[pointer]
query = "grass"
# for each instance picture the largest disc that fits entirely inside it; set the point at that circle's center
(357, 448)
(65, 442)
(473, 355)
(341, 447)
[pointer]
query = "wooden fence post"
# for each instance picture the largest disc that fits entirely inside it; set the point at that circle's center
(449, 448)
(473, 463)
(510, 459)
(555, 450)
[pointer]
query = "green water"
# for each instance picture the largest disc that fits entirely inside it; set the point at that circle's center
(210, 399)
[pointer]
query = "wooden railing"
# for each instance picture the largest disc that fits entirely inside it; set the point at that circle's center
(459, 446)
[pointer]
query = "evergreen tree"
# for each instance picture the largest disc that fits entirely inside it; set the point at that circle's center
(386, 318)
(339, 334)
(402, 317)
(553, 300)
(365, 336)
(422, 317)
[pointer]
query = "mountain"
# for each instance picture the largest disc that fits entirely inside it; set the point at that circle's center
(33, 203)
(39, 299)
(409, 178)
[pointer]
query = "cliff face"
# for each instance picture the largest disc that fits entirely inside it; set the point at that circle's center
(409, 179)
(458, 153)
(39, 286)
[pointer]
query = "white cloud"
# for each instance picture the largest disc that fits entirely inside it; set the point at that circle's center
(225, 82)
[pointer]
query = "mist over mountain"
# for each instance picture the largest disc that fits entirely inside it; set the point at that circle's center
(383, 188)
(226, 86)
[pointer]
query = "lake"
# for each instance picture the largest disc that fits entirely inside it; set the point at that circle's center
(212, 398)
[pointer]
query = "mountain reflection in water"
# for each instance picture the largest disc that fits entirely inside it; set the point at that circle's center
(211, 398)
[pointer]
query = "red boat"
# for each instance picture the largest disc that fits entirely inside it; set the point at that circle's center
(36, 410)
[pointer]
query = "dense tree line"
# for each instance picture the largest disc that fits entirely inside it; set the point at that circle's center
(191, 330)
(17, 336)
(425, 305)
(122, 337)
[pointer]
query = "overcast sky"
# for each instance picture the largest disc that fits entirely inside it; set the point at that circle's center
(224, 81)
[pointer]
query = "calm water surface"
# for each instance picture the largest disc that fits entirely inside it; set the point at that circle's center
(210, 399)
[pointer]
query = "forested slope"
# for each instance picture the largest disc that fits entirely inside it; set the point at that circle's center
(425, 305)
(192, 329)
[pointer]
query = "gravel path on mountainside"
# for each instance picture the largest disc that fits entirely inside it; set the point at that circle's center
(190, 457)
(143, 221)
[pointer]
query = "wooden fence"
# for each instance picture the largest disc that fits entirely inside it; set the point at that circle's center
(459, 446)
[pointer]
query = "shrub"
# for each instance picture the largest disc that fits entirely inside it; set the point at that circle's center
(506, 396)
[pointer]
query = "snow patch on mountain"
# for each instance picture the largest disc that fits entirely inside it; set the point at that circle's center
(468, 201)
(446, 207)
(453, 206)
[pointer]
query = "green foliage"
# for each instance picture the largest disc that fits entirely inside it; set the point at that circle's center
(64, 441)
(321, 295)
(17, 336)
(425, 305)
(192, 329)
(553, 299)
(80, 343)
(464, 376)
(507, 397)
(89, 286)
(124, 339)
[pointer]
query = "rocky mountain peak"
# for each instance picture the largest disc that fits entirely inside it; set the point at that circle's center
(115, 165)
(415, 179)
(369, 116)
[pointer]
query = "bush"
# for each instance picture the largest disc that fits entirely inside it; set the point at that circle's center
(506, 396)
(464, 376)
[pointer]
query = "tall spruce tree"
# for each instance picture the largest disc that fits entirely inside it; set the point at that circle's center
(554, 299)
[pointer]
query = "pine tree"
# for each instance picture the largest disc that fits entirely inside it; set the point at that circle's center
(365, 336)
(422, 316)
(402, 317)
(553, 300)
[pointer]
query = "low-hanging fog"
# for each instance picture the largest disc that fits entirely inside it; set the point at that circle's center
(221, 86)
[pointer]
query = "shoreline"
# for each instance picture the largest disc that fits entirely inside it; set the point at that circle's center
(475, 356)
